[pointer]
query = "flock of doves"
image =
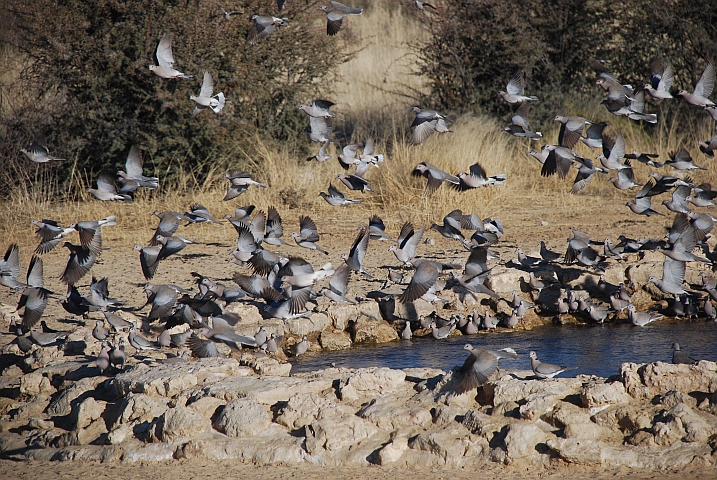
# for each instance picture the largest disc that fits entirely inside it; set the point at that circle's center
(285, 284)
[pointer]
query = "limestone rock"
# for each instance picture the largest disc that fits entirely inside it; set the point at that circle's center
(652, 379)
(304, 408)
(271, 367)
(337, 433)
(450, 443)
(343, 313)
(681, 423)
(315, 322)
(248, 313)
(89, 411)
(372, 382)
(586, 431)
(120, 434)
(673, 397)
(522, 439)
(266, 390)
(444, 414)
(513, 389)
(391, 309)
(335, 340)
(394, 413)
(271, 447)
(242, 417)
(179, 422)
(599, 394)
(368, 330)
(139, 408)
(271, 325)
(92, 432)
(565, 414)
(61, 405)
(393, 450)
(207, 406)
(505, 280)
(169, 379)
(536, 404)
(36, 384)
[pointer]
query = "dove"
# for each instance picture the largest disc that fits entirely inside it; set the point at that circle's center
(661, 79)
(106, 189)
(641, 319)
(424, 278)
(165, 60)
(700, 95)
(515, 90)
(38, 151)
(337, 199)
(133, 177)
(435, 176)
(407, 243)
(308, 235)
(425, 123)
(544, 370)
(206, 98)
(263, 26)
(335, 14)
(240, 183)
(479, 366)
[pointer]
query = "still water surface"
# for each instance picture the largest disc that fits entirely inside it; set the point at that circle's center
(592, 349)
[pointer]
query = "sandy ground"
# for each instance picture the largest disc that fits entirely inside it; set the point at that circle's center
(196, 469)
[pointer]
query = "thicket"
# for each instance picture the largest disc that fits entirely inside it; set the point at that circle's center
(81, 75)
(478, 44)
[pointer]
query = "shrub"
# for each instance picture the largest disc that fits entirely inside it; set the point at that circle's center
(83, 79)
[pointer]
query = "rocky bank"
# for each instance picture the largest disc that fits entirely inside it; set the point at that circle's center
(251, 409)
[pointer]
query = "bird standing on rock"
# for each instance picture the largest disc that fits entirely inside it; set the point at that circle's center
(544, 370)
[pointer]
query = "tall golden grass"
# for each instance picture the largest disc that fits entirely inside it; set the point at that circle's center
(373, 94)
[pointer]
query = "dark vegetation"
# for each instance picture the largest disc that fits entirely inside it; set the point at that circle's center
(478, 44)
(84, 80)
(80, 74)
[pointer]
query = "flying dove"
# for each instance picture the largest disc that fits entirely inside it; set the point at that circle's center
(700, 95)
(165, 60)
(263, 26)
(206, 98)
(240, 182)
(515, 90)
(335, 14)
(477, 178)
(308, 235)
(424, 278)
(661, 79)
(38, 152)
(134, 177)
(480, 365)
(435, 176)
(407, 243)
(106, 189)
(425, 123)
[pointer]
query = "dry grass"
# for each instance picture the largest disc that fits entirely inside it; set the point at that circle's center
(374, 94)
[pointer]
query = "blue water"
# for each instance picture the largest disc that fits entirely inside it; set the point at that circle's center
(592, 349)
